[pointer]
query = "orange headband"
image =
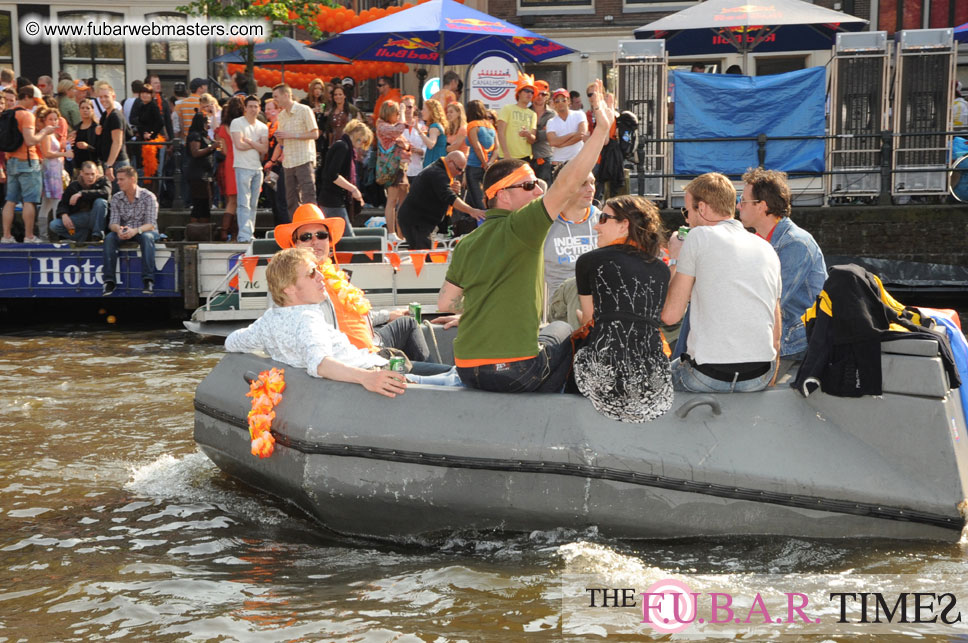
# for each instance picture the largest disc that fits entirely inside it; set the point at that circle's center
(523, 173)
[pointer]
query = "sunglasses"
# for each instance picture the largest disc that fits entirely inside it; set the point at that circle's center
(560, 99)
(314, 272)
(381, 84)
(603, 218)
(589, 95)
(740, 201)
(527, 186)
(322, 235)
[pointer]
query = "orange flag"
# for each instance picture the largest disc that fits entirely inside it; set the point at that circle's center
(394, 260)
(249, 264)
(418, 261)
(344, 257)
(369, 254)
(438, 257)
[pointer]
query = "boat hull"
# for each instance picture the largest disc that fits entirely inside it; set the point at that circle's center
(440, 460)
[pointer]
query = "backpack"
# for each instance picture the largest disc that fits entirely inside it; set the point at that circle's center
(11, 138)
(627, 132)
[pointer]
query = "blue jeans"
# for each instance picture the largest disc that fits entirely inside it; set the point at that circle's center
(341, 213)
(147, 241)
(248, 184)
(24, 181)
(89, 222)
(686, 378)
(544, 373)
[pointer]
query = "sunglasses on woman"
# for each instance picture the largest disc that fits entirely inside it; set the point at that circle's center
(604, 217)
(322, 235)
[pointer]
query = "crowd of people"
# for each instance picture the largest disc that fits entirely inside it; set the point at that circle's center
(741, 284)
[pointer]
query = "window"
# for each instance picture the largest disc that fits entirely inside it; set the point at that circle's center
(101, 59)
(6, 40)
(556, 7)
(555, 75)
(769, 66)
(162, 52)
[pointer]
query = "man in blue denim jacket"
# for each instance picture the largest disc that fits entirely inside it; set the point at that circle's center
(765, 207)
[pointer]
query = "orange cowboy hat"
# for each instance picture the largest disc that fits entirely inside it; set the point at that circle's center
(305, 214)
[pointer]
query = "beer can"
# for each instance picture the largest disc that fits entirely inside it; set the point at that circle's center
(683, 231)
(415, 312)
(398, 364)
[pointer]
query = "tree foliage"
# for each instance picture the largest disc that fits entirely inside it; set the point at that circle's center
(282, 15)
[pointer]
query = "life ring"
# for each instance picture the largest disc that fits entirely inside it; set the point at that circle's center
(958, 179)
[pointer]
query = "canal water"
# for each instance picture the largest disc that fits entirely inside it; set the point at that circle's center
(114, 527)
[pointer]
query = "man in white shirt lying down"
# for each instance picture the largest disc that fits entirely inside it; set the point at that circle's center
(296, 332)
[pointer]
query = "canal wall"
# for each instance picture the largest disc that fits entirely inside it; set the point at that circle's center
(924, 233)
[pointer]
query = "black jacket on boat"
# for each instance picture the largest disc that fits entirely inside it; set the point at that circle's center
(845, 327)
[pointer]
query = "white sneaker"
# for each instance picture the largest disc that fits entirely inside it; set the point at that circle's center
(34, 240)
(8, 240)
(393, 238)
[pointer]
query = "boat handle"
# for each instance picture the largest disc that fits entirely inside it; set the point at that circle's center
(699, 400)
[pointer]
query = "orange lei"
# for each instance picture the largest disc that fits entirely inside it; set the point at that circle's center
(349, 295)
(266, 393)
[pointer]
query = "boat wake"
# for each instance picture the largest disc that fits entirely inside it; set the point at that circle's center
(193, 478)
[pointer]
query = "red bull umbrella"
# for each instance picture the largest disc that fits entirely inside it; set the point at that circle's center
(725, 26)
(440, 32)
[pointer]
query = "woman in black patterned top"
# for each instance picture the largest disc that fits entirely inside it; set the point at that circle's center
(622, 285)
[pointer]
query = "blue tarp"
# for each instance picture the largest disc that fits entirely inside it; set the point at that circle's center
(731, 106)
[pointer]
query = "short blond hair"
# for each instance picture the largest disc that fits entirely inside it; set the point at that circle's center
(283, 271)
(356, 125)
(716, 191)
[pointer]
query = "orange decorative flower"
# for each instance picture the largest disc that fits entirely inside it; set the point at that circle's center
(266, 393)
(349, 295)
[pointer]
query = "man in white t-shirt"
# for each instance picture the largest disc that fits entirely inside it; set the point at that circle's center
(250, 142)
(567, 129)
(731, 281)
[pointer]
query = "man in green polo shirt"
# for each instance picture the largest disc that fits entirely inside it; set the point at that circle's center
(499, 271)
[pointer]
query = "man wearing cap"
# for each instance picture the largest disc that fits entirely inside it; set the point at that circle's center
(347, 308)
(540, 149)
(497, 271)
(349, 89)
(297, 133)
(567, 129)
(516, 123)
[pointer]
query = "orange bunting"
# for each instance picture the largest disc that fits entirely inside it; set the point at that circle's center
(344, 257)
(418, 259)
(369, 254)
(266, 393)
(438, 257)
(249, 265)
(394, 260)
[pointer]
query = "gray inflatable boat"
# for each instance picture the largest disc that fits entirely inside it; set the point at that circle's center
(439, 460)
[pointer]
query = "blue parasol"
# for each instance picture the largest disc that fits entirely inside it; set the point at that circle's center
(440, 32)
(961, 33)
(283, 51)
